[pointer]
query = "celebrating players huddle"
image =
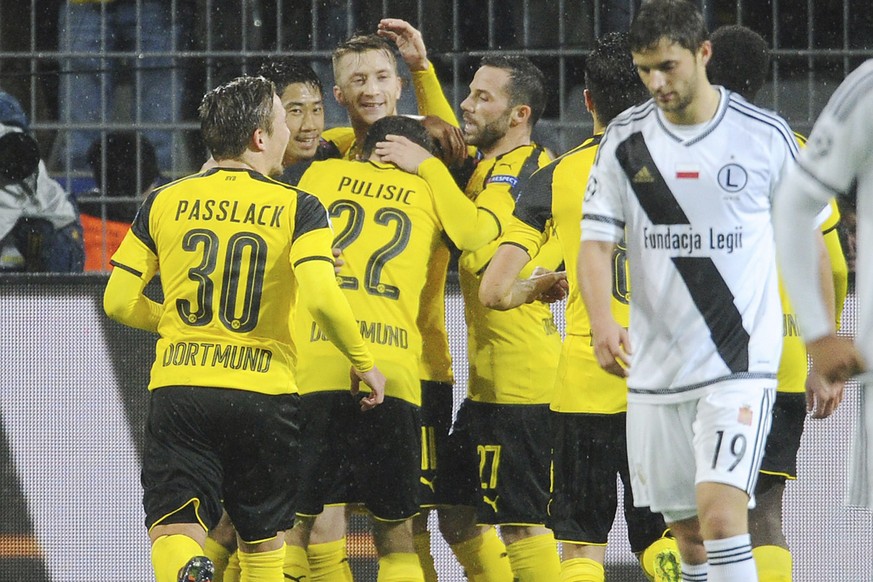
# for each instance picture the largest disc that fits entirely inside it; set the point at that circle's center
(303, 368)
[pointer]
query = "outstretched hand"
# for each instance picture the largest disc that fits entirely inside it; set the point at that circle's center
(375, 380)
(408, 40)
(834, 361)
(402, 152)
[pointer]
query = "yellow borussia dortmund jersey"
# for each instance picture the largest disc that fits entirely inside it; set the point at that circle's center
(387, 227)
(513, 355)
(793, 363)
(226, 243)
(436, 361)
(551, 201)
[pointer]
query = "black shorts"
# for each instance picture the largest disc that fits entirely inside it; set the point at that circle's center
(780, 453)
(498, 462)
(350, 456)
(436, 422)
(590, 450)
(205, 446)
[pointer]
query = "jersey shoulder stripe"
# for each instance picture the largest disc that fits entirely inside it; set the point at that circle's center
(858, 84)
(746, 109)
(311, 215)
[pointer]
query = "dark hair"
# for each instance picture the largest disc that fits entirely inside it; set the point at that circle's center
(284, 71)
(231, 113)
(679, 21)
(362, 43)
(131, 163)
(396, 125)
(527, 84)
(740, 60)
(611, 77)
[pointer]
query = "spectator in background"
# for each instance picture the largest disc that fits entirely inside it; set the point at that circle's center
(39, 225)
(124, 169)
(89, 84)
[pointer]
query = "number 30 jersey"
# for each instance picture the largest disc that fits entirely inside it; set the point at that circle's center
(226, 243)
(695, 202)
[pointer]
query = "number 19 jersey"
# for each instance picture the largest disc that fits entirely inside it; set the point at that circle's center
(696, 203)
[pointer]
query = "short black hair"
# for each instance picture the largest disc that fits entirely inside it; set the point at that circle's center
(397, 125)
(680, 21)
(740, 60)
(527, 84)
(284, 71)
(611, 77)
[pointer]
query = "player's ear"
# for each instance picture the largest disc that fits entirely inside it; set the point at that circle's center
(338, 95)
(520, 114)
(704, 52)
(257, 141)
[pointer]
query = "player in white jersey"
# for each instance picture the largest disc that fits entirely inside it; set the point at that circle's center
(838, 161)
(688, 179)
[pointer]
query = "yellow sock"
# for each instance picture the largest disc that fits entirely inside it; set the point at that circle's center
(219, 556)
(295, 564)
(398, 567)
(535, 558)
(484, 558)
(661, 561)
(170, 554)
(232, 572)
(262, 566)
(422, 548)
(773, 563)
(582, 570)
(329, 562)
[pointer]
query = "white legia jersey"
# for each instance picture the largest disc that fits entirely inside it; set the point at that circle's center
(695, 210)
(838, 161)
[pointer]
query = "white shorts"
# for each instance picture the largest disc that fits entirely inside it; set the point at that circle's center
(717, 438)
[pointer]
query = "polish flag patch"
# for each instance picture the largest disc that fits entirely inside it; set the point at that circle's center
(687, 172)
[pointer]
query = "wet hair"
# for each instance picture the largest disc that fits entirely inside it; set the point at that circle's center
(611, 77)
(527, 84)
(679, 21)
(409, 128)
(284, 71)
(230, 114)
(362, 43)
(740, 60)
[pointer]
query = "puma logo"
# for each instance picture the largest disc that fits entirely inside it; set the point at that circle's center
(294, 578)
(491, 503)
(428, 483)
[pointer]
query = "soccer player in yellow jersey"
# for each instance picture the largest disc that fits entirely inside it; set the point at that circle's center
(496, 471)
(740, 62)
(366, 81)
(368, 86)
(589, 447)
(388, 222)
(233, 247)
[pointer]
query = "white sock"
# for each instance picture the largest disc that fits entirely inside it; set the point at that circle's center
(694, 572)
(730, 559)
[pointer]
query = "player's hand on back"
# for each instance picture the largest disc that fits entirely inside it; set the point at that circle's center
(402, 152)
(548, 286)
(373, 378)
(408, 40)
(450, 139)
